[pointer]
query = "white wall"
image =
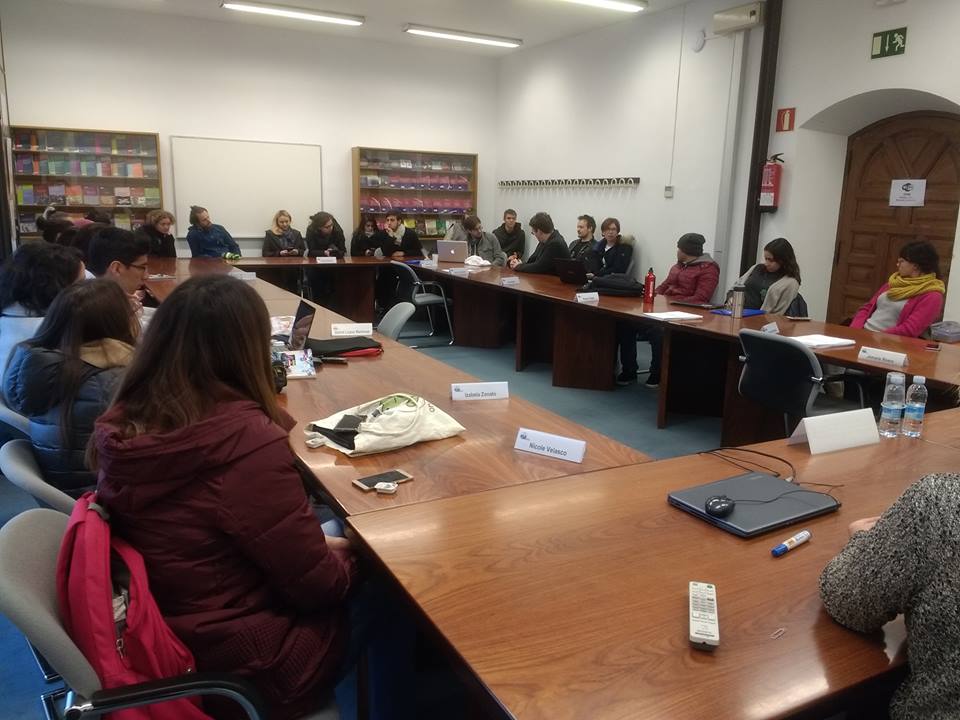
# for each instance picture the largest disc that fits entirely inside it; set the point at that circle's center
(602, 104)
(85, 67)
(824, 60)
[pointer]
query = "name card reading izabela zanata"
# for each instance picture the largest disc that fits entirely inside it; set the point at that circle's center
(555, 446)
(351, 329)
(479, 391)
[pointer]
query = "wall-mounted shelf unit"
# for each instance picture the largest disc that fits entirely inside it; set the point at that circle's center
(430, 189)
(80, 170)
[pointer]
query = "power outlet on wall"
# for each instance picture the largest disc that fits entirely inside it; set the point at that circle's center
(668, 191)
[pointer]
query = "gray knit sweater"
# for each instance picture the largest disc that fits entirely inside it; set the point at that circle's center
(909, 563)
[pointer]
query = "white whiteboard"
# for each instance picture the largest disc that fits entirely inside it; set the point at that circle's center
(244, 182)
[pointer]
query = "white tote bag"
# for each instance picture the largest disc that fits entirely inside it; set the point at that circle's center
(391, 422)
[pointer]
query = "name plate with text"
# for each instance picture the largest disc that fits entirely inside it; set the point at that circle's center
(351, 329)
(326, 260)
(588, 297)
(479, 391)
(884, 357)
(510, 280)
(459, 272)
(839, 431)
(555, 446)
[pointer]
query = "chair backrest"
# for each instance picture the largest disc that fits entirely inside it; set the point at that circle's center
(19, 466)
(779, 373)
(29, 545)
(14, 420)
(392, 323)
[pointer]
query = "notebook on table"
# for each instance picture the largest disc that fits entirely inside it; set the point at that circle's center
(763, 503)
(747, 312)
(571, 270)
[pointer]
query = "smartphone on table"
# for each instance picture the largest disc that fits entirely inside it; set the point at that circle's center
(390, 476)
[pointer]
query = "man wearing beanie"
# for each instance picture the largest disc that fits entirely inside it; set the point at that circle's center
(692, 279)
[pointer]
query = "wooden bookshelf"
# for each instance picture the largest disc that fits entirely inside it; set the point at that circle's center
(77, 170)
(431, 189)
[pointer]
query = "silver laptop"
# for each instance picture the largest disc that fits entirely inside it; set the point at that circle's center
(452, 250)
(763, 503)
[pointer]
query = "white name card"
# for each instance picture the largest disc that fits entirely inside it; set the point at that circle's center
(326, 260)
(839, 431)
(243, 275)
(588, 297)
(459, 272)
(510, 280)
(351, 329)
(884, 357)
(555, 446)
(479, 391)
(771, 328)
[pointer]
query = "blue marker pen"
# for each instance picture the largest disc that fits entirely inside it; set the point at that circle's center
(790, 543)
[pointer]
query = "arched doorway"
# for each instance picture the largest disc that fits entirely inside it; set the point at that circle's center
(870, 232)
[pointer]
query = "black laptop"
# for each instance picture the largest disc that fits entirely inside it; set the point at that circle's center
(702, 306)
(571, 270)
(763, 503)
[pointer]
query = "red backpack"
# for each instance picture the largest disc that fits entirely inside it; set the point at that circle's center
(97, 575)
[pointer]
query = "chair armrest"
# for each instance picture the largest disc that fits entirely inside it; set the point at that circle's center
(156, 691)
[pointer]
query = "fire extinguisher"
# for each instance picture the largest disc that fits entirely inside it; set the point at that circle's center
(770, 183)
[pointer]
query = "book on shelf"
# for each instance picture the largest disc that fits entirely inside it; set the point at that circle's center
(25, 194)
(122, 195)
(138, 197)
(150, 170)
(152, 197)
(421, 227)
(91, 195)
(441, 226)
(74, 195)
(27, 222)
(106, 196)
(410, 223)
(57, 194)
(41, 194)
(122, 220)
(430, 226)
(118, 169)
(135, 169)
(104, 167)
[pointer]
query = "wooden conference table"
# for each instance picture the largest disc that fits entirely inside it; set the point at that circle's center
(482, 458)
(567, 598)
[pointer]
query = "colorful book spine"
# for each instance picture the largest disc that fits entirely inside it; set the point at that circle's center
(91, 195)
(74, 195)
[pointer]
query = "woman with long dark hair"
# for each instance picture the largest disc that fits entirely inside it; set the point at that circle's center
(366, 238)
(66, 375)
(325, 236)
(774, 284)
(911, 299)
(196, 470)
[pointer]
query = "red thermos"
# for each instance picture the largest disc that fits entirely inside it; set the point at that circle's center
(649, 285)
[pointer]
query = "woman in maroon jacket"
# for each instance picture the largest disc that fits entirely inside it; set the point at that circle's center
(196, 470)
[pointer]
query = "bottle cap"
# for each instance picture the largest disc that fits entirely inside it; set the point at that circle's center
(919, 380)
(895, 378)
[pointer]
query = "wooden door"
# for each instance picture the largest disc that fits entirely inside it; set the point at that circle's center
(870, 232)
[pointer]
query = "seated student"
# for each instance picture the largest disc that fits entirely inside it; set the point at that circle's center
(325, 237)
(693, 279)
(29, 281)
(206, 239)
(584, 246)
(513, 240)
(156, 230)
(482, 243)
(613, 255)
(550, 246)
(366, 239)
(906, 561)
(119, 255)
(281, 240)
(774, 284)
(398, 240)
(911, 299)
(203, 483)
(64, 377)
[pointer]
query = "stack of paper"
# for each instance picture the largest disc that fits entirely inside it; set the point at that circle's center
(823, 341)
(673, 315)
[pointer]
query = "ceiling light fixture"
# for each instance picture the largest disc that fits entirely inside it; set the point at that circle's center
(294, 13)
(461, 36)
(631, 6)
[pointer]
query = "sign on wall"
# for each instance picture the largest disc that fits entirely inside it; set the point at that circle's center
(889, 42)
(908, 192)
(786, 117)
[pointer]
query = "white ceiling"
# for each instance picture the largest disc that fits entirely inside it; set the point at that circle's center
(534, 21)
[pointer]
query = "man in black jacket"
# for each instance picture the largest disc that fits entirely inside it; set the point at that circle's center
(513, 240)
(400, 241)
(551, 246)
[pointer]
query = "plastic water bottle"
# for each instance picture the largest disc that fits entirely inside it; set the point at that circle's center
(913, 410)
(891, 409)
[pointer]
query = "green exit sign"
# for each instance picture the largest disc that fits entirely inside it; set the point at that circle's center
(889, 42)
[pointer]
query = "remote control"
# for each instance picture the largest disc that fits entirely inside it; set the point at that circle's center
(704, 627)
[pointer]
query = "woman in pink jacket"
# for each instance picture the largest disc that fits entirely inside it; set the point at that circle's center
(911, 299)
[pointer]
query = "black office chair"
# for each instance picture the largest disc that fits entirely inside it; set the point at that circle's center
(782, 374)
